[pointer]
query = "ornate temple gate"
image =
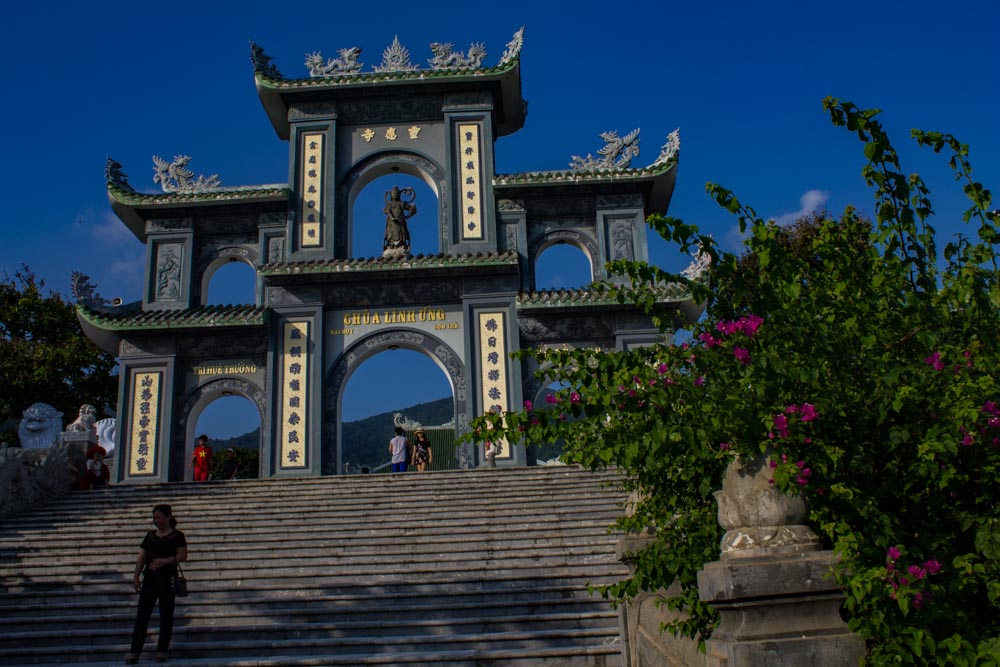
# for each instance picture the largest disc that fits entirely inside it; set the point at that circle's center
(320, 312)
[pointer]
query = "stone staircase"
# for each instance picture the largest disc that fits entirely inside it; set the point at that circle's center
(484, 567)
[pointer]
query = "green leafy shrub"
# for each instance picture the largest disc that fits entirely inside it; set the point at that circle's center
(864, 359)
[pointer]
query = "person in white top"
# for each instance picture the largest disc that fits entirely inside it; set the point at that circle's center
(399, 447)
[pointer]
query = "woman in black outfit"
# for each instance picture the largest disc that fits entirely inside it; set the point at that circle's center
(159, 554)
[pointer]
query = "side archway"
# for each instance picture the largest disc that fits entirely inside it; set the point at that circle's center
(352, 358)
(583, 242)
(212, 261)
(192, 407)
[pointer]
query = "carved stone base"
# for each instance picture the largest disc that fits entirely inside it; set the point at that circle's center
(779, 610)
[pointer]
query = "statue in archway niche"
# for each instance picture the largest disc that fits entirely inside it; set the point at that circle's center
(399, 208)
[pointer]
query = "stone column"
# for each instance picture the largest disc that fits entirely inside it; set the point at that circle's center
(773, 586)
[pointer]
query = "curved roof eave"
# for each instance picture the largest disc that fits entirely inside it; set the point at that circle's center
(105, 339)
(129, 206)
(660, 178)
(274, 93)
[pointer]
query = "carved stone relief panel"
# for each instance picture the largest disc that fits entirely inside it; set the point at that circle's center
(423, 292)
(169, 264)
(311, 110)
(560, 328)
(275, 249)
(406, 108)
(169, 225)
(141, 347)
(619, 201)
(224, 345)
(620, 242)
(562, 207)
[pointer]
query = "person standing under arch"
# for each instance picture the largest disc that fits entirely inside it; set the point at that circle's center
(201, 460)
(399, 447)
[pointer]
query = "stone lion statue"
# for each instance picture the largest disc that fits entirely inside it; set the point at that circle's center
(40, 426)
(106, 431)
(85, 421)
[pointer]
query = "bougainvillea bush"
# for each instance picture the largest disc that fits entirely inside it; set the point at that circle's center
(863, 359)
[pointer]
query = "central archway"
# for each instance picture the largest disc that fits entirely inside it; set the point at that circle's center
(352, 358)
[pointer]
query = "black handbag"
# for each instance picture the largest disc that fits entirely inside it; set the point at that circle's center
(180, 584)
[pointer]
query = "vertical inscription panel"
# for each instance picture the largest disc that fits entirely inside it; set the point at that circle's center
(493, 367)
(145, 423)
(311, 198)
(294, 376)
(470, 188)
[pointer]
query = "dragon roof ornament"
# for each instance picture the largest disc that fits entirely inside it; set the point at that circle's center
(176, 177)
(617, 153)
(699, 268)
(262, 62)
(85, 293)
(116, 176)
(347, 63)
(395, 58)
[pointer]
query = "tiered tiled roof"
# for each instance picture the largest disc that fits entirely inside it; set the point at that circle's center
(585, 297)
(599, 176)
(247, 193)
(193, 318)
(390, 264)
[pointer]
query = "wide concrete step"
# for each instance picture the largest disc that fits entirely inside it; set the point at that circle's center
(452, 568)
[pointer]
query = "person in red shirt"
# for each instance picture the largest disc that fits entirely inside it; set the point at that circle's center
(202, 459)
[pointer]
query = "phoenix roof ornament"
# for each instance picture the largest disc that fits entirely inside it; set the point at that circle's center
(176, 177)
(617, 153)
(513, 48)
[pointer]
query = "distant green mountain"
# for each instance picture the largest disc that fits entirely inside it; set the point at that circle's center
(366, 441)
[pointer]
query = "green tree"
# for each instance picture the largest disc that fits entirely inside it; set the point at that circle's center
(863, 363)
(44, 355)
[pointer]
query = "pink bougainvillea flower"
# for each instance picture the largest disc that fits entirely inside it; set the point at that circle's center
(791, 409)
(967, 440)
(528, 405)
(920, 599)
(574, 397)
(781, 425)
(932, 567)
(709, 340)
(724, 446)
(700, 380)
(934, 360)
(551, 399)
(893, 553)
(662, 368)
(749, 324)
(808, 411)
(742, 354)
(917, 572)
(990, 408)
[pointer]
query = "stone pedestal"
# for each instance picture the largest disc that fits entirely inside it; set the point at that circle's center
(778, 610)
(773, 585)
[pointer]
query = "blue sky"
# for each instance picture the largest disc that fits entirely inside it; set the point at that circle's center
(743, 82)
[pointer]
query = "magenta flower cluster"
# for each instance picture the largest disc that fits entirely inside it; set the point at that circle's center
(747, 326)
(912, 577)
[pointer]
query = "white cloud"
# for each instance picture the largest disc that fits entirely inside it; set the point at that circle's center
(810, 202)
